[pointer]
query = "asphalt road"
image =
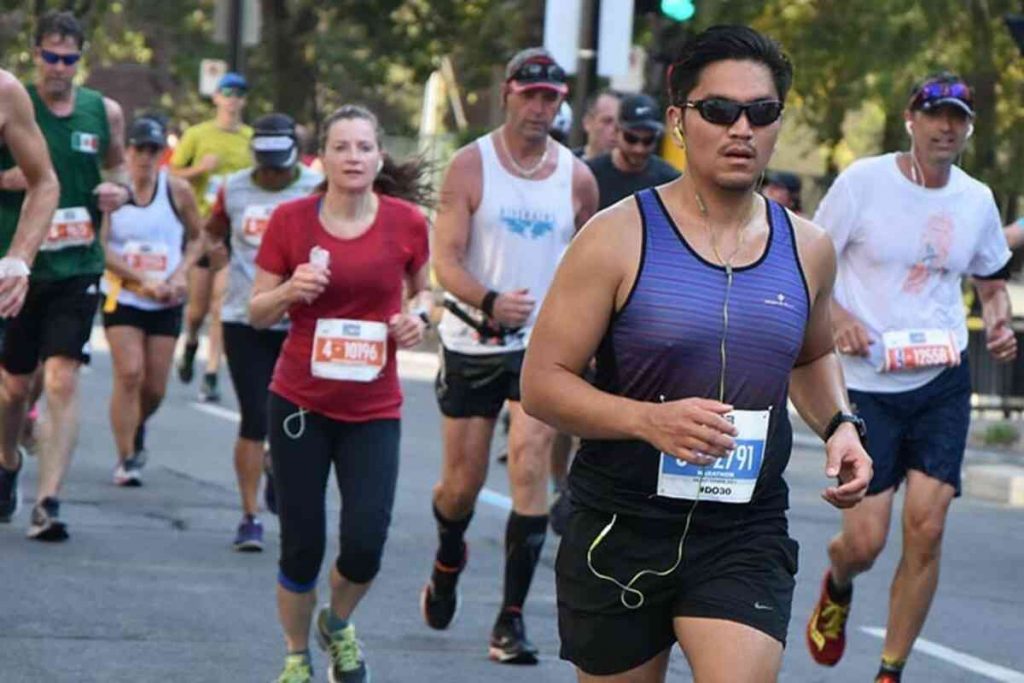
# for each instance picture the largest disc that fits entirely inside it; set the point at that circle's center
(148, 588)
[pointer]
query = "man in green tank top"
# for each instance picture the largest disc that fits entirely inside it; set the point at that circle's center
(208, 153)
(84, 133)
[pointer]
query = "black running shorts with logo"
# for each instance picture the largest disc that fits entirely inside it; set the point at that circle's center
(745, 575)
(56, 320)
(477, 386)
(163, 322)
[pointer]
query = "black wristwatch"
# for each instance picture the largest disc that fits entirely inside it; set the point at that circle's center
(424, 316)
(841, 417)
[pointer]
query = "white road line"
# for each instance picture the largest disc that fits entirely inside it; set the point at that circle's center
(492, 498)
(960, 659)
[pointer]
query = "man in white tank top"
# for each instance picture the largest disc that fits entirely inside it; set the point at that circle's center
(510, 204)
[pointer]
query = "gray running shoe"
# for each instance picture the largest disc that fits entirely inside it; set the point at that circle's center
(345, 652)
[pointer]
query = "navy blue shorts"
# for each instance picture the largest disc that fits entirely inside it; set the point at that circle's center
(924, 429)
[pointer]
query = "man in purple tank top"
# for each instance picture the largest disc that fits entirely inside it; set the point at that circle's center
(707, 307)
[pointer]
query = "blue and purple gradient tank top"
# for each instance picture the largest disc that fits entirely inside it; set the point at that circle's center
(665, 341)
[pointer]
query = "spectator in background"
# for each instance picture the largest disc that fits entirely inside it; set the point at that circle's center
(632, 165)
(1015, 234)
(783, 187)
(599, 123)
(562, 125)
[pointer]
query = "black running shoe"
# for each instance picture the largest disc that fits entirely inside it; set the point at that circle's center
(439, 601)
(208, 392)
(10, 498)
(509, 644)
(186, 366)
(46, 525)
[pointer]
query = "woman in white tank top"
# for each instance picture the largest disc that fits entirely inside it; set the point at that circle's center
(149, 248)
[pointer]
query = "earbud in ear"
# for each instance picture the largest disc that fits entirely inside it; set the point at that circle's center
(970, 131)
(380, 165)
(909, 126)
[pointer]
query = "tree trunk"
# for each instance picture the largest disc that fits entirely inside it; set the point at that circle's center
(287, 28)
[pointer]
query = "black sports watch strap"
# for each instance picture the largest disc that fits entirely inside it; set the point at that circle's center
(841, 417)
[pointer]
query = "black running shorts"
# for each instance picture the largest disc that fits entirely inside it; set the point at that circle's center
(477, 386)
(745, 575)
(163, 322)
(56, 320)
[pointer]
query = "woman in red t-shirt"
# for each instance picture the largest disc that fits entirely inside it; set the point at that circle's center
(336, 263)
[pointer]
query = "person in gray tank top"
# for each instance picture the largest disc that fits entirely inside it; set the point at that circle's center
(706, 307)
(240, 215)
(510, 204)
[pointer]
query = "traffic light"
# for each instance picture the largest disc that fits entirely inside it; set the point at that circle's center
(678, 10)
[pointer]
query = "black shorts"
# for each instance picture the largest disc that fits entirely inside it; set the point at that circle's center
(252, 355)
(56, 320)
(744, 575)
(477, 386)
(924, 429)
(165, 322)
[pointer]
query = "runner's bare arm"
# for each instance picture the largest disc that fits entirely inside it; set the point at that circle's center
(1015, 234)
(421, 297)
(1001, 340)
(273, 295)
(34, 170)
(460, 196)
(584, 193)
(407, 327)
(185, 201)
(591, 283)
(817, 387)
(115, 191)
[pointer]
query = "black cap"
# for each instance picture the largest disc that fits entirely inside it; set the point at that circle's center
(274, 142)
(640, 112)
(147, 131)
(790, 181)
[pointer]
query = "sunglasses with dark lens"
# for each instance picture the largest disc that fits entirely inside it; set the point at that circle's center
(52, 57)
(232, 92)
(539, 71)
(634, 139)
(935, 90)
(723, 112)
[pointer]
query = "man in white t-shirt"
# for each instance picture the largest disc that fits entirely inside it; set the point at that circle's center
(907, 227)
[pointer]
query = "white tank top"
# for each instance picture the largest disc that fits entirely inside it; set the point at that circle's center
(151, 239)
(517, 237)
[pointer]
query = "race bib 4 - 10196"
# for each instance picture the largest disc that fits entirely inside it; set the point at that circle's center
(352, 350)
(731, 478)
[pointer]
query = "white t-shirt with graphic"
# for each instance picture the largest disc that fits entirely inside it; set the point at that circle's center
(902, 251)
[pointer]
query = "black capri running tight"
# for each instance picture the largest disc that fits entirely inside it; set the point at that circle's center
(303, 446)
(251, 357)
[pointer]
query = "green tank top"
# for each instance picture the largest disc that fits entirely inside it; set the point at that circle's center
(78, 144)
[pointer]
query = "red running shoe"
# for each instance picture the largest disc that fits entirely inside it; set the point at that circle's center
(826, 630)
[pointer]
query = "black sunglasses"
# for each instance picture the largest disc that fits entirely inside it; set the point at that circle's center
(539, 71)
(634, 139)
(52, 57)
(723, 112)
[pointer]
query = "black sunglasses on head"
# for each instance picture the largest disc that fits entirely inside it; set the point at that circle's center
(723, 112)
(634, 139)
(52, 57)
(539, 71)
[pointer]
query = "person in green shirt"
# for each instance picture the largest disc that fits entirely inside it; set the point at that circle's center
(84, 133)
(207, 154)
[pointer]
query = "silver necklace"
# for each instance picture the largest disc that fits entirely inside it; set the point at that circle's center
(521, 170)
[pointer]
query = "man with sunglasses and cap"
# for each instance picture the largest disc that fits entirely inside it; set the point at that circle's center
(240, 215)
(907, 228)
(511, 202)
(207, 153)
(707, 308)
(84, 133)
(632, 165)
